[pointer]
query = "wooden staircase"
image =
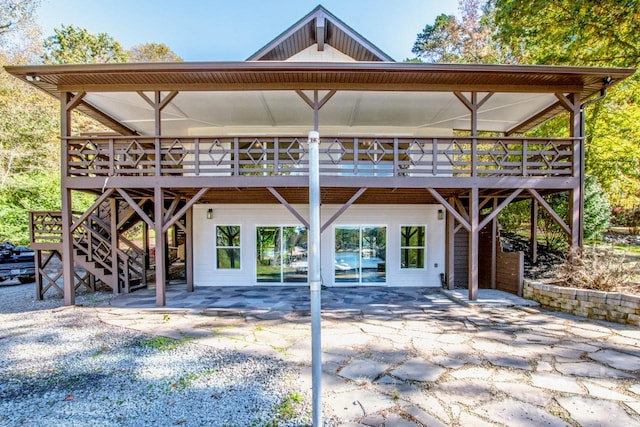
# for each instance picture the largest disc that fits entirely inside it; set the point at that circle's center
(123, 271)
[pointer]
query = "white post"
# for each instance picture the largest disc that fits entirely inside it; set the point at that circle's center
(315, 279)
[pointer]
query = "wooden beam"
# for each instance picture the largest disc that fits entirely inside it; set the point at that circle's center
(550, 210)
(565, 102)
(172, 208)
(533, 244)
(136, 208)
(167, 99)
(75, 100)
(535, 119)
(290, 208)
(326, 98)
(344, 207)
(494, 245)
(450, 248)
(474, 240)
(91, 209)
(184, 209)
(450, 209)
(464, 100)
(115, 270)
(320, 30)
(499, 208)
(68, 275)
(158, 205)
(105, 119)
(125, 218)
(461, 208)
(188, 249)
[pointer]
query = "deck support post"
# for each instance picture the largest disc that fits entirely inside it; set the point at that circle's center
(577, 206)
(67, 103)
(533, 244)
(474, 239)
(494, 246)
(158, 204)
(450, 247)
(113, 206)
(188, 249)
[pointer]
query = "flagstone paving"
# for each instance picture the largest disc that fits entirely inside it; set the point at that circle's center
(413, 357)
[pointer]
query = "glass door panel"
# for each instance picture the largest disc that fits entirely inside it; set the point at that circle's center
(281, 254)
(268, 259)
(360, 254)
(374, 254)
(347, 254)
(294, 253)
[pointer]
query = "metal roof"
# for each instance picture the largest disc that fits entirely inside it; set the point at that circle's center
(267, 76)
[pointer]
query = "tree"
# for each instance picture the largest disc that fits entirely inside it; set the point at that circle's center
(588, 32)
(465, 40)
(576, 32)
(152, 52)
(16, 15)
(73, 45)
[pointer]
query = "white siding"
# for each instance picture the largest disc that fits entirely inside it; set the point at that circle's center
(251, 216)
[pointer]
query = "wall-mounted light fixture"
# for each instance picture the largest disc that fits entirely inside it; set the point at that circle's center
(209, 213)
(440, 214)
(32, 78)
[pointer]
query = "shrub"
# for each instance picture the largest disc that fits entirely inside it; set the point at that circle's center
(602, 271)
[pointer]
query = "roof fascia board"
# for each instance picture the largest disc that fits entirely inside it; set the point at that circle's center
(320, 13)
(182, 67)
(397, 87)
(358, 37)
(284, 35)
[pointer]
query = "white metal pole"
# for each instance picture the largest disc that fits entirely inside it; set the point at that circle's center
(315, 279)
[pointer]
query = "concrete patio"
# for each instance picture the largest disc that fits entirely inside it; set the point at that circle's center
(416, 357)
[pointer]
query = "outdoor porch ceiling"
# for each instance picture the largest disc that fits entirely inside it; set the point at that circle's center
(258, 95)
(284, 113)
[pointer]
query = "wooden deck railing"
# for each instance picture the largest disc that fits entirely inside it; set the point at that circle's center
(282, 156)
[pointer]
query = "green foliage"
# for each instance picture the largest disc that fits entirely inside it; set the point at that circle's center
(514, 216)
(16, 15)
(28, 128)
(152, 52)
(613, 143)
(73, 45)
(597, 212)
(164, 343)
(588, 32)
(287, 409)
(575, 32)
(22, 194)
(468, 39)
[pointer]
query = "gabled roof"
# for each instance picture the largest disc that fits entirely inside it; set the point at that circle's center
(319, 27)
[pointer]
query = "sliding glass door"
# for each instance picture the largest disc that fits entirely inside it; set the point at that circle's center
(281, 254)
(360, 254)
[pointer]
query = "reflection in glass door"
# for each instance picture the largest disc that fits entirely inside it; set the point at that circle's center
(360, 254)
(281, 254)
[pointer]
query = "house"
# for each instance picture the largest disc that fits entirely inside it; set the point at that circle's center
(416, 161)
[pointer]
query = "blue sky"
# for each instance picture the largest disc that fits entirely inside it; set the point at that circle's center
(223, 30)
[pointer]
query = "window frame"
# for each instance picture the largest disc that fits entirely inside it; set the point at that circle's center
(423, 247)
(217, 247)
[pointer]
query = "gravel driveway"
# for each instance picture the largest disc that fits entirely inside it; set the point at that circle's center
(61, 366)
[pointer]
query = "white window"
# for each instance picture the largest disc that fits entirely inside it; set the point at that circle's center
(228, 247)
(413, 246)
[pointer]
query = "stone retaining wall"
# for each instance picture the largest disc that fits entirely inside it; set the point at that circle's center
(611, 306)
